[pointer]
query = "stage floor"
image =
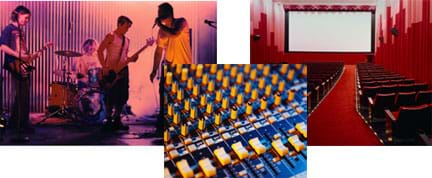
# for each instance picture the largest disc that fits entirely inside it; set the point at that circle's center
(57, 131)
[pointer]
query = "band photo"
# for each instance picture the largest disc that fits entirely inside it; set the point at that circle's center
(88, 73)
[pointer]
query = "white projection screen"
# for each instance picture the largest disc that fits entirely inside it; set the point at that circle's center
(329, 31)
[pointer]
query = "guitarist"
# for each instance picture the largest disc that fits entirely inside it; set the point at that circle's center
(13, 43)
(116, 45)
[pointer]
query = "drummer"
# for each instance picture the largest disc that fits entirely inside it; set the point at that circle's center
(88, 64)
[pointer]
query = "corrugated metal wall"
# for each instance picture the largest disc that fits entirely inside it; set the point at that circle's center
(67, 24)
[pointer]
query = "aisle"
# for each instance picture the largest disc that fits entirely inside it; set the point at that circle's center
(335, 121)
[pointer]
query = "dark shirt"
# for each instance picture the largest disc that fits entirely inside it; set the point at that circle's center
(8, 38)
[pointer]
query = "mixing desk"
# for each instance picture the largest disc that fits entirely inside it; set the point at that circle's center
(235, 120)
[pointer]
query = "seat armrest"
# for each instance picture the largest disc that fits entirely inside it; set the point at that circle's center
(390, 115)
(370, 100)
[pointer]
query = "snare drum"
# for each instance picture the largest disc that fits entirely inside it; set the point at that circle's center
(91, 106)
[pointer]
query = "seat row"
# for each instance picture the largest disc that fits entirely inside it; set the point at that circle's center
(321, 78)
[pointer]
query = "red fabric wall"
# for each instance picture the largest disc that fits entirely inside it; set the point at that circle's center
(410, 53)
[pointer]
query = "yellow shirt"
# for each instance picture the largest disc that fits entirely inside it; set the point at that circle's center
(177, 47)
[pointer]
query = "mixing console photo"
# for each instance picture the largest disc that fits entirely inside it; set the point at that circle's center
(235, 120)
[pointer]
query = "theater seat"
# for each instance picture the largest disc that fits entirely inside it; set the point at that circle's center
(404, 125)
(379, 104)
(406, 87)
(420, 86)
(424, 97)
(406, 99)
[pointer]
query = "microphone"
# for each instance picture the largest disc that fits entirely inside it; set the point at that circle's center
(155, 23)
(209, 22)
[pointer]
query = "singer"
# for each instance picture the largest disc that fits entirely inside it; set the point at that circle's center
(173, 38)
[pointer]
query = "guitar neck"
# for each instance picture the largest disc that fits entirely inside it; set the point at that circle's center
(123, 65)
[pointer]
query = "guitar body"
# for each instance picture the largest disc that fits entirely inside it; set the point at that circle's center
(108, 79)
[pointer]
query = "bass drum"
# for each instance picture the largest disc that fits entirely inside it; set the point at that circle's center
(91, 107)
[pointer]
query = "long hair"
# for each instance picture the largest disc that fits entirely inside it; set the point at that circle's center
(20, 10)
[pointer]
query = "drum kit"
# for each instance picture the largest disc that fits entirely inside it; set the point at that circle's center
(73, 100)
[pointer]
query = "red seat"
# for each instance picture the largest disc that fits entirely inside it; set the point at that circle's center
(424, 97)
(405, 123)
(379, 104)
(406, 99)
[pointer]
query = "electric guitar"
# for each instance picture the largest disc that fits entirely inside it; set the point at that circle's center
(22, 68)
(107, 79)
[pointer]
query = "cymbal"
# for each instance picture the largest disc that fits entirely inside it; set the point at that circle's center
(68, 53)
(67, 73)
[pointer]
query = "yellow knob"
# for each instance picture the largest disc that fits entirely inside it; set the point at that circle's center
(263, 104)
(248, 87)
(174, 87)
(184, 129)
(284, 68)
(165, 70)
(249, 108)
(179, 68)
(218, 96)
(187, 105)
(180, 94)
(304, 71)
(184, 74)
(291, 75)
(246, 69)
(277, 99)
(219, 75)
(281, 86)
(166, 136)
(189, 84)
(298, 66)
(213, 68)
(176, 118)
(233, 114)
(252, 75)
(275, 79)
(211, 86)
(233, 72)
(201, 123)
(204, 79)
(168, 80)
(254, 94)
(225, 82)
(260, 66)
(225, 103)
(227, 67)
(240, 99)
(218, 118)
(266, 70)
(291, 94)
(170, 109)
(239, 79)
(233, 92)
(209, 108)
(195, 91)
(193, 113)
(268, 90)
(261, 83)
(203, 100)
(199, 71)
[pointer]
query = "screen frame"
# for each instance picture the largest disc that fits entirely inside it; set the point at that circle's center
(371, 52)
